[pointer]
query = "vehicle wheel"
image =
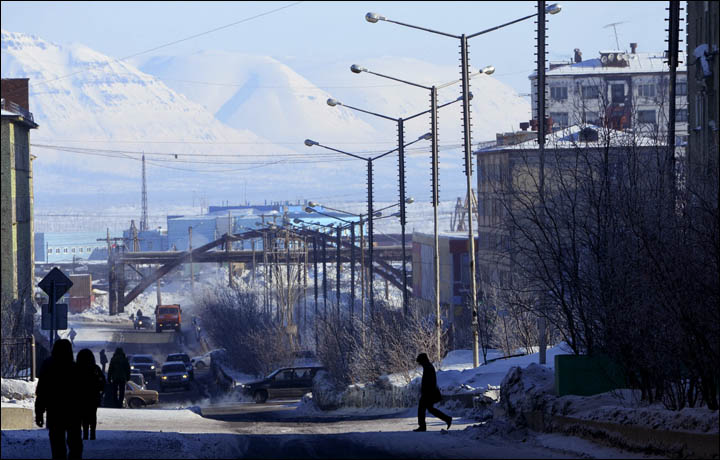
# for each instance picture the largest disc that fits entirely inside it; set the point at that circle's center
(200, 365)
(136, 403)
(260, 396)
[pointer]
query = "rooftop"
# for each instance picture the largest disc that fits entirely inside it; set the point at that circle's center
(637, 63)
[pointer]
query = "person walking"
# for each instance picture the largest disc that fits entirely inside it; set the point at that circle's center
(103, 359)
(91, 385)
(429, 394)
(118, 375)
(57, 393)
(72, 336)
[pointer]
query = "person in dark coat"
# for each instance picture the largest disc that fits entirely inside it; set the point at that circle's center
(118, 375)
(103, 359)
(91, 385)
(57, 394)
(429, 394)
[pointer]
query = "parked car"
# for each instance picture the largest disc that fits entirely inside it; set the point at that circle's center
(145, 364)
(287, 382)
(143, 322)
(174, 374)
(185, 359)
(137, 397)
(139, 379)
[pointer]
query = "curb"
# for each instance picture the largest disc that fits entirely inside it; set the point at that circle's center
(16, 418)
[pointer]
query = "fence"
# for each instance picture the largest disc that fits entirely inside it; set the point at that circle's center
(18, 358)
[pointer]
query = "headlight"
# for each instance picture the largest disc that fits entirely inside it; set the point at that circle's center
(132, 367)
(152, 367)
(184, 376)
(164, 377)
(139, 322)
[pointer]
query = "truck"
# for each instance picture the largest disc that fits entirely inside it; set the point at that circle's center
(167, 317)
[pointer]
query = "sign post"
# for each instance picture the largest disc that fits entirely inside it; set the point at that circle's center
(55, 285)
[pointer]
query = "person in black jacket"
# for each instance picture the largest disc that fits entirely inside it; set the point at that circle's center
(57, 394)
(429, 394)
(103, 359)
(91, 386)
(118, 375)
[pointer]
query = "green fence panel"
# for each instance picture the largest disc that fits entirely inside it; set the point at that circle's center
(586, 375)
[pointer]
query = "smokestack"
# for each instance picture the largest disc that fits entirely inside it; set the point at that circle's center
(578, 55)
(633, 47)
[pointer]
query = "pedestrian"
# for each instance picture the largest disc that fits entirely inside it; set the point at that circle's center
(429, 394)
(103, 359)
(72, 336)
(139, 314)
(57, 394)
(118, 375)
(91, 385)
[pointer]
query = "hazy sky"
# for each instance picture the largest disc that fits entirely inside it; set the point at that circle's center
(308, 35)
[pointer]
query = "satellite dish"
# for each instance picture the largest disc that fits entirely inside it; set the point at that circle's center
(604, 59)
(611, 57)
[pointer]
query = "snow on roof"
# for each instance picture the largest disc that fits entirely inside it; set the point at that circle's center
(570, 138)
(638, 63)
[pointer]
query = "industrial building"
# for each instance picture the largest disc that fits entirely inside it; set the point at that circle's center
(66, 247)
(17, 246)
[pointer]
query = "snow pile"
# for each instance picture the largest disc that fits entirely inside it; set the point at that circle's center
(18, 392)
(526, 390)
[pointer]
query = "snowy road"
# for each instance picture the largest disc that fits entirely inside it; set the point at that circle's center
(273, 431)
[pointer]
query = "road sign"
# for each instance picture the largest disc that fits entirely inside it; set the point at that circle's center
(62, 284)
(61, 313)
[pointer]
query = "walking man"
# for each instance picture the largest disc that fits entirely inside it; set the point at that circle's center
(103, 359)
(429, 394)
(118, 375)
(72, 336)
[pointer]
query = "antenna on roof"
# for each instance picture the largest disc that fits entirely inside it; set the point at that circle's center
(617, 43)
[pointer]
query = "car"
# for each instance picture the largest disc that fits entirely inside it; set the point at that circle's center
(286, 382)
(174, 374)
(143, 322)
(139, 379)
(137, 397)
(204, 361)
(185, 359)
(145, 364)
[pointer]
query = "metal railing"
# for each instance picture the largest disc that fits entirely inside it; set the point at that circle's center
(18, 358)
(13, 107)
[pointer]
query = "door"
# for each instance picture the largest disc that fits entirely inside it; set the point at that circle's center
(281, 385)
(303, 382)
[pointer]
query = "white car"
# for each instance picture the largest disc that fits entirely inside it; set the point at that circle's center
(204, 361)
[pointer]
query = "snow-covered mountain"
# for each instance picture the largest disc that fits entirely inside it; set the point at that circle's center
(227, 126)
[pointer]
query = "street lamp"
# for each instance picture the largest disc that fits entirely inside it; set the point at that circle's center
(434, 156)
(464, 65)
(401, 171)
(370, 212)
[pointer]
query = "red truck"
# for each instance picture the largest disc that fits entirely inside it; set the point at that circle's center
(167, 317)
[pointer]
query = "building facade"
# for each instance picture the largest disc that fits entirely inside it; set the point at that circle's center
(17, 247)
(703, 43)
(625, 91)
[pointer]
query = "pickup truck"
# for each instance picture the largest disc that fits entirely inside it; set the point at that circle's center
(167, 317)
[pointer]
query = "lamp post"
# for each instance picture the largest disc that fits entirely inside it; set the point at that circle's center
(464, 65)
(435, 198)
(369, 161)
(401, 174)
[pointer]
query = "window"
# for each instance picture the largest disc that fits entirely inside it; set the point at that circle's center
(49, 250)
(65, 250)
(617, 93)
(89, 250)
(57, 251)
(559, 118)
(81, 249)
(72, 250)
(646, 116)
(558, 93)
(681, 88)
(681, 115)
(646, 90)
(590, 92)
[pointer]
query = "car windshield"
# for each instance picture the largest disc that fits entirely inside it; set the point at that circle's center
(273, 373)
(142, 359)
(183, 358)
(168, 311)
(174, 368)
(133, 386)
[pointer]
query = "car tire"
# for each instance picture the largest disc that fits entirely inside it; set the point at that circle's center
(260, 396)
(136, 403)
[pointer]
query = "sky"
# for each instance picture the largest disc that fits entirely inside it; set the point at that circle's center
(308, 35)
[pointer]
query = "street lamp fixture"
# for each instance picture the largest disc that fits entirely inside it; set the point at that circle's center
(310, 143)
(332, 103)
(374, 17)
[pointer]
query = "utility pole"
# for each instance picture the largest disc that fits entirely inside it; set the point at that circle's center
(541, 142)
(144, 218)
(228, 242)
(192, 268)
